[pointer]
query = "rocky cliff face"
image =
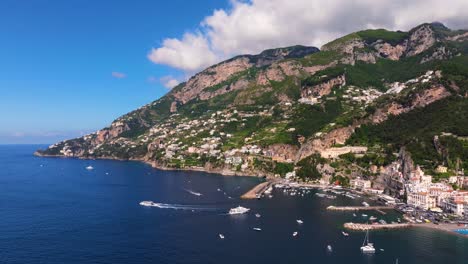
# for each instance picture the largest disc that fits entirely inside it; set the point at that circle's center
(261, 114)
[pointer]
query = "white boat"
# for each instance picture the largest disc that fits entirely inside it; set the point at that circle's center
(365, 204)
(294, 234)
(238, 210)
(257, 215)
(344, 233)
(329, 248)
(90, 167)
(146, 203)
(367, 247)
(299, 221)
(364, 215)
(382, 249)
(221, 236)
(372, 218)
(354, 215)
(257, 229)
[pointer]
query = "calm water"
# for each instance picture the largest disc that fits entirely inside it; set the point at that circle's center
(55, 211)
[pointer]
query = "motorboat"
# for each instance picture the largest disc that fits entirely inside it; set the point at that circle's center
(345, 234)
(299, 221)
(221, 236)
(90, 167)
(295, 234)
(257, 229)
(238, 210)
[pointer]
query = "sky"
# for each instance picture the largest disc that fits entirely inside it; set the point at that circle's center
(68, 68)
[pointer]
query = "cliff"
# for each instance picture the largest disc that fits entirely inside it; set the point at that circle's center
(263, 114)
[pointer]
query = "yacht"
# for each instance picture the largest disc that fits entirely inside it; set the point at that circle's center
(221, 236)
(89, 167)
(367, 247)
(238, 210)
(146, 203)
(299, 221)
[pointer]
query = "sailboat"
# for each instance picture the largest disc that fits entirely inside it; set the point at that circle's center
(367, 247)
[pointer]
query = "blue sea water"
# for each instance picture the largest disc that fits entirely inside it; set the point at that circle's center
(53, 210)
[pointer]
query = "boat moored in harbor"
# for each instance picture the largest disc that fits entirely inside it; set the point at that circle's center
(238, 210)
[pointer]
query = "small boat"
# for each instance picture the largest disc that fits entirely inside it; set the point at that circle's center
(344, 233)
(257, 229)
(367, 247)
(257, 215)
(90, 167)
(218, 189)
(365, 204)
(238, 210)
(299, 221)
(146, 203)
(382, 249)
(221, 236)
(364, 215)
(329, 248)
(354, 215)
(373, 218)
(295, 234)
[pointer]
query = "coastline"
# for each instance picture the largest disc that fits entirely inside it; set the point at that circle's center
(153, 164)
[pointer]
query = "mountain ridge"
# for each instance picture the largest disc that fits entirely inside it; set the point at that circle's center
(284, 110)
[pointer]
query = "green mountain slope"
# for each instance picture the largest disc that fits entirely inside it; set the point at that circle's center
(290, 109)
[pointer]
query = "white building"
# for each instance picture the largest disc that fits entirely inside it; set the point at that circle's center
(361, 184)
(422, 200)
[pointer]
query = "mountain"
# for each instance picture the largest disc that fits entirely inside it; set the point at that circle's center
(332, 114)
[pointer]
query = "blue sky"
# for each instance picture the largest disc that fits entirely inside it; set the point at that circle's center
(69, 67)
(57, 59)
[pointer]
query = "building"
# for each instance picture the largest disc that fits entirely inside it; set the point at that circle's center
(360, 184)
(422, 200)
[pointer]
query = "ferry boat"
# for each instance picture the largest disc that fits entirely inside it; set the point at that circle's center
(367, 247)
(238, 210)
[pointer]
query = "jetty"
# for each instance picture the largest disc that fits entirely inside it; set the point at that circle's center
(360, 208)
(365, 227)
(257, 191)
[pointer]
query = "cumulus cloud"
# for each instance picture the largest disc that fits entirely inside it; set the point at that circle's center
(248, 27)
(119, 75)
(169, 82)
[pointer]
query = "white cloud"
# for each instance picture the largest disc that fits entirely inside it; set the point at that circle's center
(119, 75)
(189, 54)
(256, 25)
(169, 82)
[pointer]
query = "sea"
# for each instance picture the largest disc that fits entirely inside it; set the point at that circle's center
(54, 210)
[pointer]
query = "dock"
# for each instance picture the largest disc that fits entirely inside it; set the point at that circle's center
(364, 227)
(257, 190)
(360, 208)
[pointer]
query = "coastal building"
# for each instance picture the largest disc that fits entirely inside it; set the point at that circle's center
(360, 184)
(422, 200)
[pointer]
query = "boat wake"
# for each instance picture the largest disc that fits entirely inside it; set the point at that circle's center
(178, 206)
(194, 193)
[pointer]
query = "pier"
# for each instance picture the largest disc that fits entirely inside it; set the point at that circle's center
(364, 227)
(360, 208)
(257, 191)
